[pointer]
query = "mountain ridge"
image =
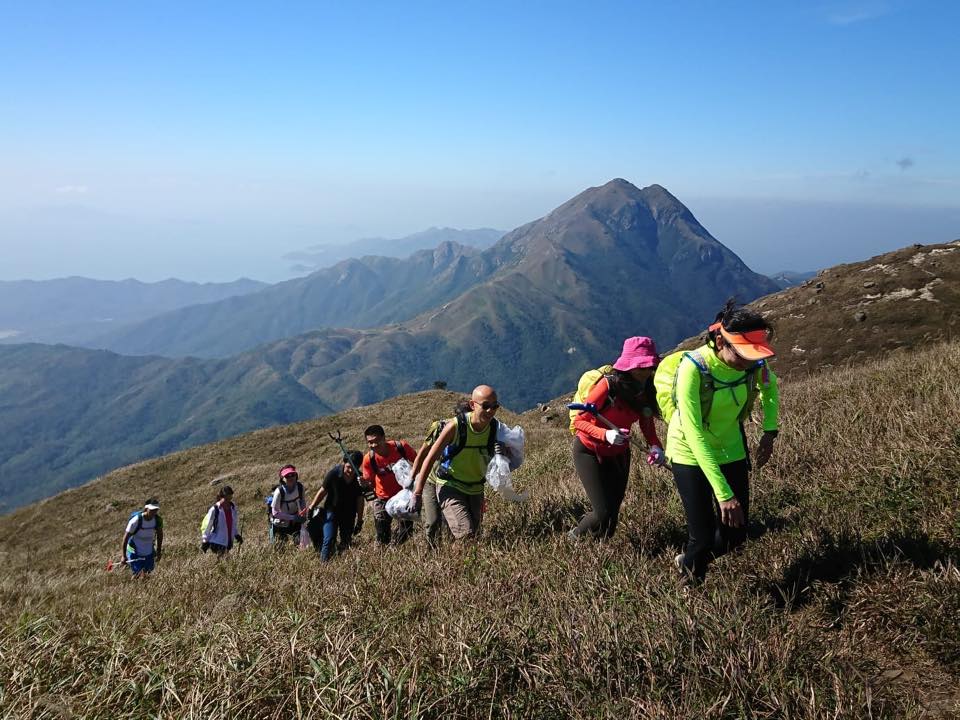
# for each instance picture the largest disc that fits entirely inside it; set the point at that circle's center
(550, 298)
(321, 256)
(74, 310)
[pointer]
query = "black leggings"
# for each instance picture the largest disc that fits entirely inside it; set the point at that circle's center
(606, 483)
(708, 537)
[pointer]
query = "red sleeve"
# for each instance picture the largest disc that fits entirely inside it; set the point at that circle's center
(365, 468)
(408, 452)
(649, 430)
(587, 426)
(587, 423)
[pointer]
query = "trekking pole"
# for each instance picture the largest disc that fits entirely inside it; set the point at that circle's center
(592, 409)
(338, 439)
(111, 564)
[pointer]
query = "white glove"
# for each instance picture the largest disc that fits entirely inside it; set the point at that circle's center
(617, 437)
(655, 456)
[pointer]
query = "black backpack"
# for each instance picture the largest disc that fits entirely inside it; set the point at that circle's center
(454, 448)
(268, 501)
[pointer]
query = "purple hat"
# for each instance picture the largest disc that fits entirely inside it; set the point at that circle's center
(638, 352)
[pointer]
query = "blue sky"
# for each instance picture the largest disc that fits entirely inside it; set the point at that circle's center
(206, 140)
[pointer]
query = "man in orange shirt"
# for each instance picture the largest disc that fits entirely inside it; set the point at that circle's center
(378, 469)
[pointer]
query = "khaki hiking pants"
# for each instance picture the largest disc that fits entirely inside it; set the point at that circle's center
(463, 512)
(432, 517)
(383, 524)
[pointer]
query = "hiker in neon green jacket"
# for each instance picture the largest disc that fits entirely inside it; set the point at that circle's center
(709, 454)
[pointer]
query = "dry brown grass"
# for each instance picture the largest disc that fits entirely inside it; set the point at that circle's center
(846, 603)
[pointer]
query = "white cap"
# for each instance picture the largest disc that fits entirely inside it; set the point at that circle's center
(151, 505)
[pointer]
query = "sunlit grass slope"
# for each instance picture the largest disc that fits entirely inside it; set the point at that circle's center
(846, 603)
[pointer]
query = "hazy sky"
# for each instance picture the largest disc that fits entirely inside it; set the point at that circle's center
(206, 140)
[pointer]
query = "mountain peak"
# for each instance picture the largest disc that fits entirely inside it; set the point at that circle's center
(623, 203)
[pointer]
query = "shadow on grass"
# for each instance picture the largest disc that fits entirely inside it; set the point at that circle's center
(842, 560)
(543, 519)
(656, 539)
(760, 526)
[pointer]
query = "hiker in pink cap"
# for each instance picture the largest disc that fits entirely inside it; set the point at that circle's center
(622, 394)
(288, 507)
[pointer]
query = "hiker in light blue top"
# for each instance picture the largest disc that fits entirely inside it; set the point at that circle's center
(144, 527)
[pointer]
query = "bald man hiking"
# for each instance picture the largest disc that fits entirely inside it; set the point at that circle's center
(457, 463)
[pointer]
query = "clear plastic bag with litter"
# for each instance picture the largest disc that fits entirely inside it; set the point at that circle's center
(512, 439)
(498, 470)
(401, 505)
(403, 471)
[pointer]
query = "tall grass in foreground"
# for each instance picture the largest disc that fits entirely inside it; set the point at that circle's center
(846, 602)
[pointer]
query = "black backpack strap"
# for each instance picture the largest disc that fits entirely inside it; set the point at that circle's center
(454, 448)
(612, 390)
(492, 437)
(139, 522)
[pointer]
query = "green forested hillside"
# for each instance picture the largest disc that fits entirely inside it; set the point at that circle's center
(68, 415)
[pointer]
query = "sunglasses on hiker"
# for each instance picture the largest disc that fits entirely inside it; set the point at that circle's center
(488, 405)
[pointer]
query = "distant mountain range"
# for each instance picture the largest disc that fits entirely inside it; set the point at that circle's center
(789, 278)
(326, 255)
(527, 315)
(76, 310)
(611, 242)
(357, 293)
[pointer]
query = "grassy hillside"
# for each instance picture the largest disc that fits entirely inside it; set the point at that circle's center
(891, 303)
(846, 603)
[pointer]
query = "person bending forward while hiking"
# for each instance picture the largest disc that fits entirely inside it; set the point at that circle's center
(459, 474)
(342, 500)
(378, 469)
(707, 445)
(601, 455)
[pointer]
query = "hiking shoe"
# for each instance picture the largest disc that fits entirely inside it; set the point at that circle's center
(573, 536)
(678, 561)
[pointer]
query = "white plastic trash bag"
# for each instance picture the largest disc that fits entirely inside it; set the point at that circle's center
(401, 505)
(305, 541)
(403, 471)
(498, 475)
(512, 439)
